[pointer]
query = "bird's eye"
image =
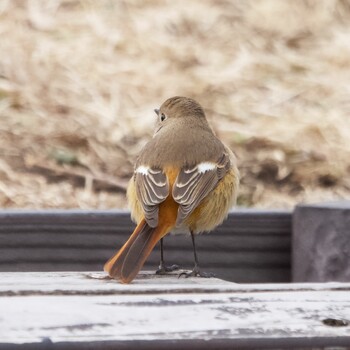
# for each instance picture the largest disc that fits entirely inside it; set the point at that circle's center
(162, 117)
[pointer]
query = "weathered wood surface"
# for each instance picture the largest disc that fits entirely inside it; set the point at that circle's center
(251, 245)
(71, 310)
(321, 242)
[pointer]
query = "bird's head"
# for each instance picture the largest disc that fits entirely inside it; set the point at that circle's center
(177, 108)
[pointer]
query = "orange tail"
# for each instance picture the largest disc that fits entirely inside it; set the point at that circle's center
(125, 265)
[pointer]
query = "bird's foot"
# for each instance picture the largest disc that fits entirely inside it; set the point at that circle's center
(196, 272)
(164, 270)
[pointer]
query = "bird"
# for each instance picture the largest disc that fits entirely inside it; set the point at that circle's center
(184, 178)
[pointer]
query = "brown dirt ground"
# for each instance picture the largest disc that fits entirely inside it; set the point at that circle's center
(79, 81)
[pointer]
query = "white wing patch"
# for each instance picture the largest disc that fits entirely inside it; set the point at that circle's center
(142, 170)
(205, 166)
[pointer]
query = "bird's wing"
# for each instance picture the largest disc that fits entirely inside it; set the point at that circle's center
(193, 184)
(152, 188)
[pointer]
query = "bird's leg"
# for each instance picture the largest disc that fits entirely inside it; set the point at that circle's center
(163, 269)
(196, 272)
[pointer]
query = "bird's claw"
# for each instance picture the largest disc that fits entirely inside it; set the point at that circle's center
(163, 270)
(196, 272)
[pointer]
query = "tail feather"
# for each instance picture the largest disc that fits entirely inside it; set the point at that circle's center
(125, 265)
(114, 264)
(138, 253)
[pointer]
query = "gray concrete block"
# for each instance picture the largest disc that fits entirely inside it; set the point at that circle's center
(321, 242)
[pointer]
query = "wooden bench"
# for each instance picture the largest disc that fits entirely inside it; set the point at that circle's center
(75, 310)
(84, 310)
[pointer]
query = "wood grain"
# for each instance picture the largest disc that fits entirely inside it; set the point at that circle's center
(70, 310)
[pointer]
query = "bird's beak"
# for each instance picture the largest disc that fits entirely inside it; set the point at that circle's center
(157, 111)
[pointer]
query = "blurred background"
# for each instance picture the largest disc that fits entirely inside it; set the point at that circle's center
(79, 81)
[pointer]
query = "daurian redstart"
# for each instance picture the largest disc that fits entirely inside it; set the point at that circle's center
(184, 178)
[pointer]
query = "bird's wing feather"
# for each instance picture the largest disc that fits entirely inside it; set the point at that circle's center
(152, 188)
(193, 184)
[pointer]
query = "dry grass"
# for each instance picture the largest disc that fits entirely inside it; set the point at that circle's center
(79, 81)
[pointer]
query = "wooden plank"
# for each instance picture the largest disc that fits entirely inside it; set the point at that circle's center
(71, 310)
(242, 274)
(250, 242)
(95, 282)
